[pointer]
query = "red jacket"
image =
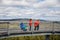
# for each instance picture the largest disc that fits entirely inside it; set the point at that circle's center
(36, 23)
(30, 23)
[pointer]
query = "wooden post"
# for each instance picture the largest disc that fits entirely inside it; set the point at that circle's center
(47, 37)
(8, 28)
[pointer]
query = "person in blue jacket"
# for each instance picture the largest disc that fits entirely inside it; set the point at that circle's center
(23, 26)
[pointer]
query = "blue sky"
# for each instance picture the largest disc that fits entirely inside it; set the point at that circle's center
(35, 9)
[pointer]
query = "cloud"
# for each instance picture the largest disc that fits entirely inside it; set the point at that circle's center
(30, 8)
(32, 3)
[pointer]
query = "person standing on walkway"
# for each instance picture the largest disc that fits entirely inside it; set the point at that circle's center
(36, 25)
(30, 24)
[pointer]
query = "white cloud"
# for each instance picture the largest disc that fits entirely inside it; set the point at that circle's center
(13, 14)
(32, 3)
(30, 8)
(14, 2)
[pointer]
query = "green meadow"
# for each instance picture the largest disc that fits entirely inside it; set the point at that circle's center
(40, 37)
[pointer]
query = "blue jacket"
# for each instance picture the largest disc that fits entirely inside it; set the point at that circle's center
(21, 25)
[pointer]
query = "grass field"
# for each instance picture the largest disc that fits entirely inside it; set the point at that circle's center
(41, 37)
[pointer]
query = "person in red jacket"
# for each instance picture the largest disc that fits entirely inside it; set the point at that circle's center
(30, 24)
(36, 25)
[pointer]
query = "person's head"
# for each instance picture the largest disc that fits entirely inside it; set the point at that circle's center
(30, 19)
(38, 20)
